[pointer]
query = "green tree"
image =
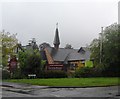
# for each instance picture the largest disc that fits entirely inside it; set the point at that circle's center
(68, 46)
(110, 58)
(33, 62)
(95, 50)
(30, 62)
(7, 46)
(33, 44)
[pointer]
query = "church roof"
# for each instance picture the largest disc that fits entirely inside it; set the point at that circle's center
(63, 54)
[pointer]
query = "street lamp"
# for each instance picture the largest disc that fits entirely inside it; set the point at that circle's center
(101, 44)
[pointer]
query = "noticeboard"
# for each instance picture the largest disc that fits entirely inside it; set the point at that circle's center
(54, 67)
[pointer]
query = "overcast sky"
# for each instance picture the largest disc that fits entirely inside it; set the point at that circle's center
(79, 22)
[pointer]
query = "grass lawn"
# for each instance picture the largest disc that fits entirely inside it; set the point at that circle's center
(80, 82)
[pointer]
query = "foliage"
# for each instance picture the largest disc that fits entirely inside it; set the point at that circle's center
(88, 63)
(18, 74)
(55, 74)
(68, 46)
(110, 49)
(33, 44)
(9, 43)
(83, 72)
(22, 56)
(31, 63)
(5, 74)
(95, 51)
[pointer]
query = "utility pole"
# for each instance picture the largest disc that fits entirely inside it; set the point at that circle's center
(101, 44)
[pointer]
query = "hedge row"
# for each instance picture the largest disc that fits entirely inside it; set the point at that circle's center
(95, 72)
(47, 74)
(52, 74)
(82, 72)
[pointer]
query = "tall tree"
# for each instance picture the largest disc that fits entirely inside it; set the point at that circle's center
(110, 48)
(8, 45)
(30, 60)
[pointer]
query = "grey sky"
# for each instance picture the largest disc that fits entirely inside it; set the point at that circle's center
(79, 22)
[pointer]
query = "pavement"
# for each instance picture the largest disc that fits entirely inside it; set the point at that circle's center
(26, 90)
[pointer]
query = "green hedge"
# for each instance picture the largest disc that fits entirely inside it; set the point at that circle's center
(17, 74)
(5, 74)
(55, 74)
(83, 72)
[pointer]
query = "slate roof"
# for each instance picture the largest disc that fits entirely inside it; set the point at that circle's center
(65, 55)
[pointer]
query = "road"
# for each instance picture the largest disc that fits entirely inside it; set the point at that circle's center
(61, 92)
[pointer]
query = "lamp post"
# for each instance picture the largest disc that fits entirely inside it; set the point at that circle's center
(101, 44)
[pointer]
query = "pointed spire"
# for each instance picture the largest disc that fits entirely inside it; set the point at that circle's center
(57, 25)
(56, 39)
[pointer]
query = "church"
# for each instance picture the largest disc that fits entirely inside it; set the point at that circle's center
(72, 57)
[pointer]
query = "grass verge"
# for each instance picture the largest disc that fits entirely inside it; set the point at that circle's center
(75, 82)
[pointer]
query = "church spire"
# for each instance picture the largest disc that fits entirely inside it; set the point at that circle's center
(56, 39)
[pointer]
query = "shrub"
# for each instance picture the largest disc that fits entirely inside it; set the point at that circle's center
(83, 72)
(5, 74)
(40, 74)
(107, 71)
(95, 72)
(55, 74)
(18, 74)
(111, 71)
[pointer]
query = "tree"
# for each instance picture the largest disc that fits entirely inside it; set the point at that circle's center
(8, 44)
(33, 43)
(110, 49)
(68, 46)
(30, 61)
(95, 50)
(33, 63)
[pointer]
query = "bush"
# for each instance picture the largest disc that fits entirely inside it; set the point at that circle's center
(40, 74)
(5, 74)
(107, 71)
(83, 72)
(95, 72)
(18, 74)
(55, 74)
(111, 71)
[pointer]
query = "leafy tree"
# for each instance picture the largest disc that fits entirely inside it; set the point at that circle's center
(110, 49)
(95, 50)
(8, 44)
(33, 43)
(31, 62)
(68, 46)
(22, 56)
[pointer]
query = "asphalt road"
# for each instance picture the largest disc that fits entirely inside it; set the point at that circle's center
(60, 92)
